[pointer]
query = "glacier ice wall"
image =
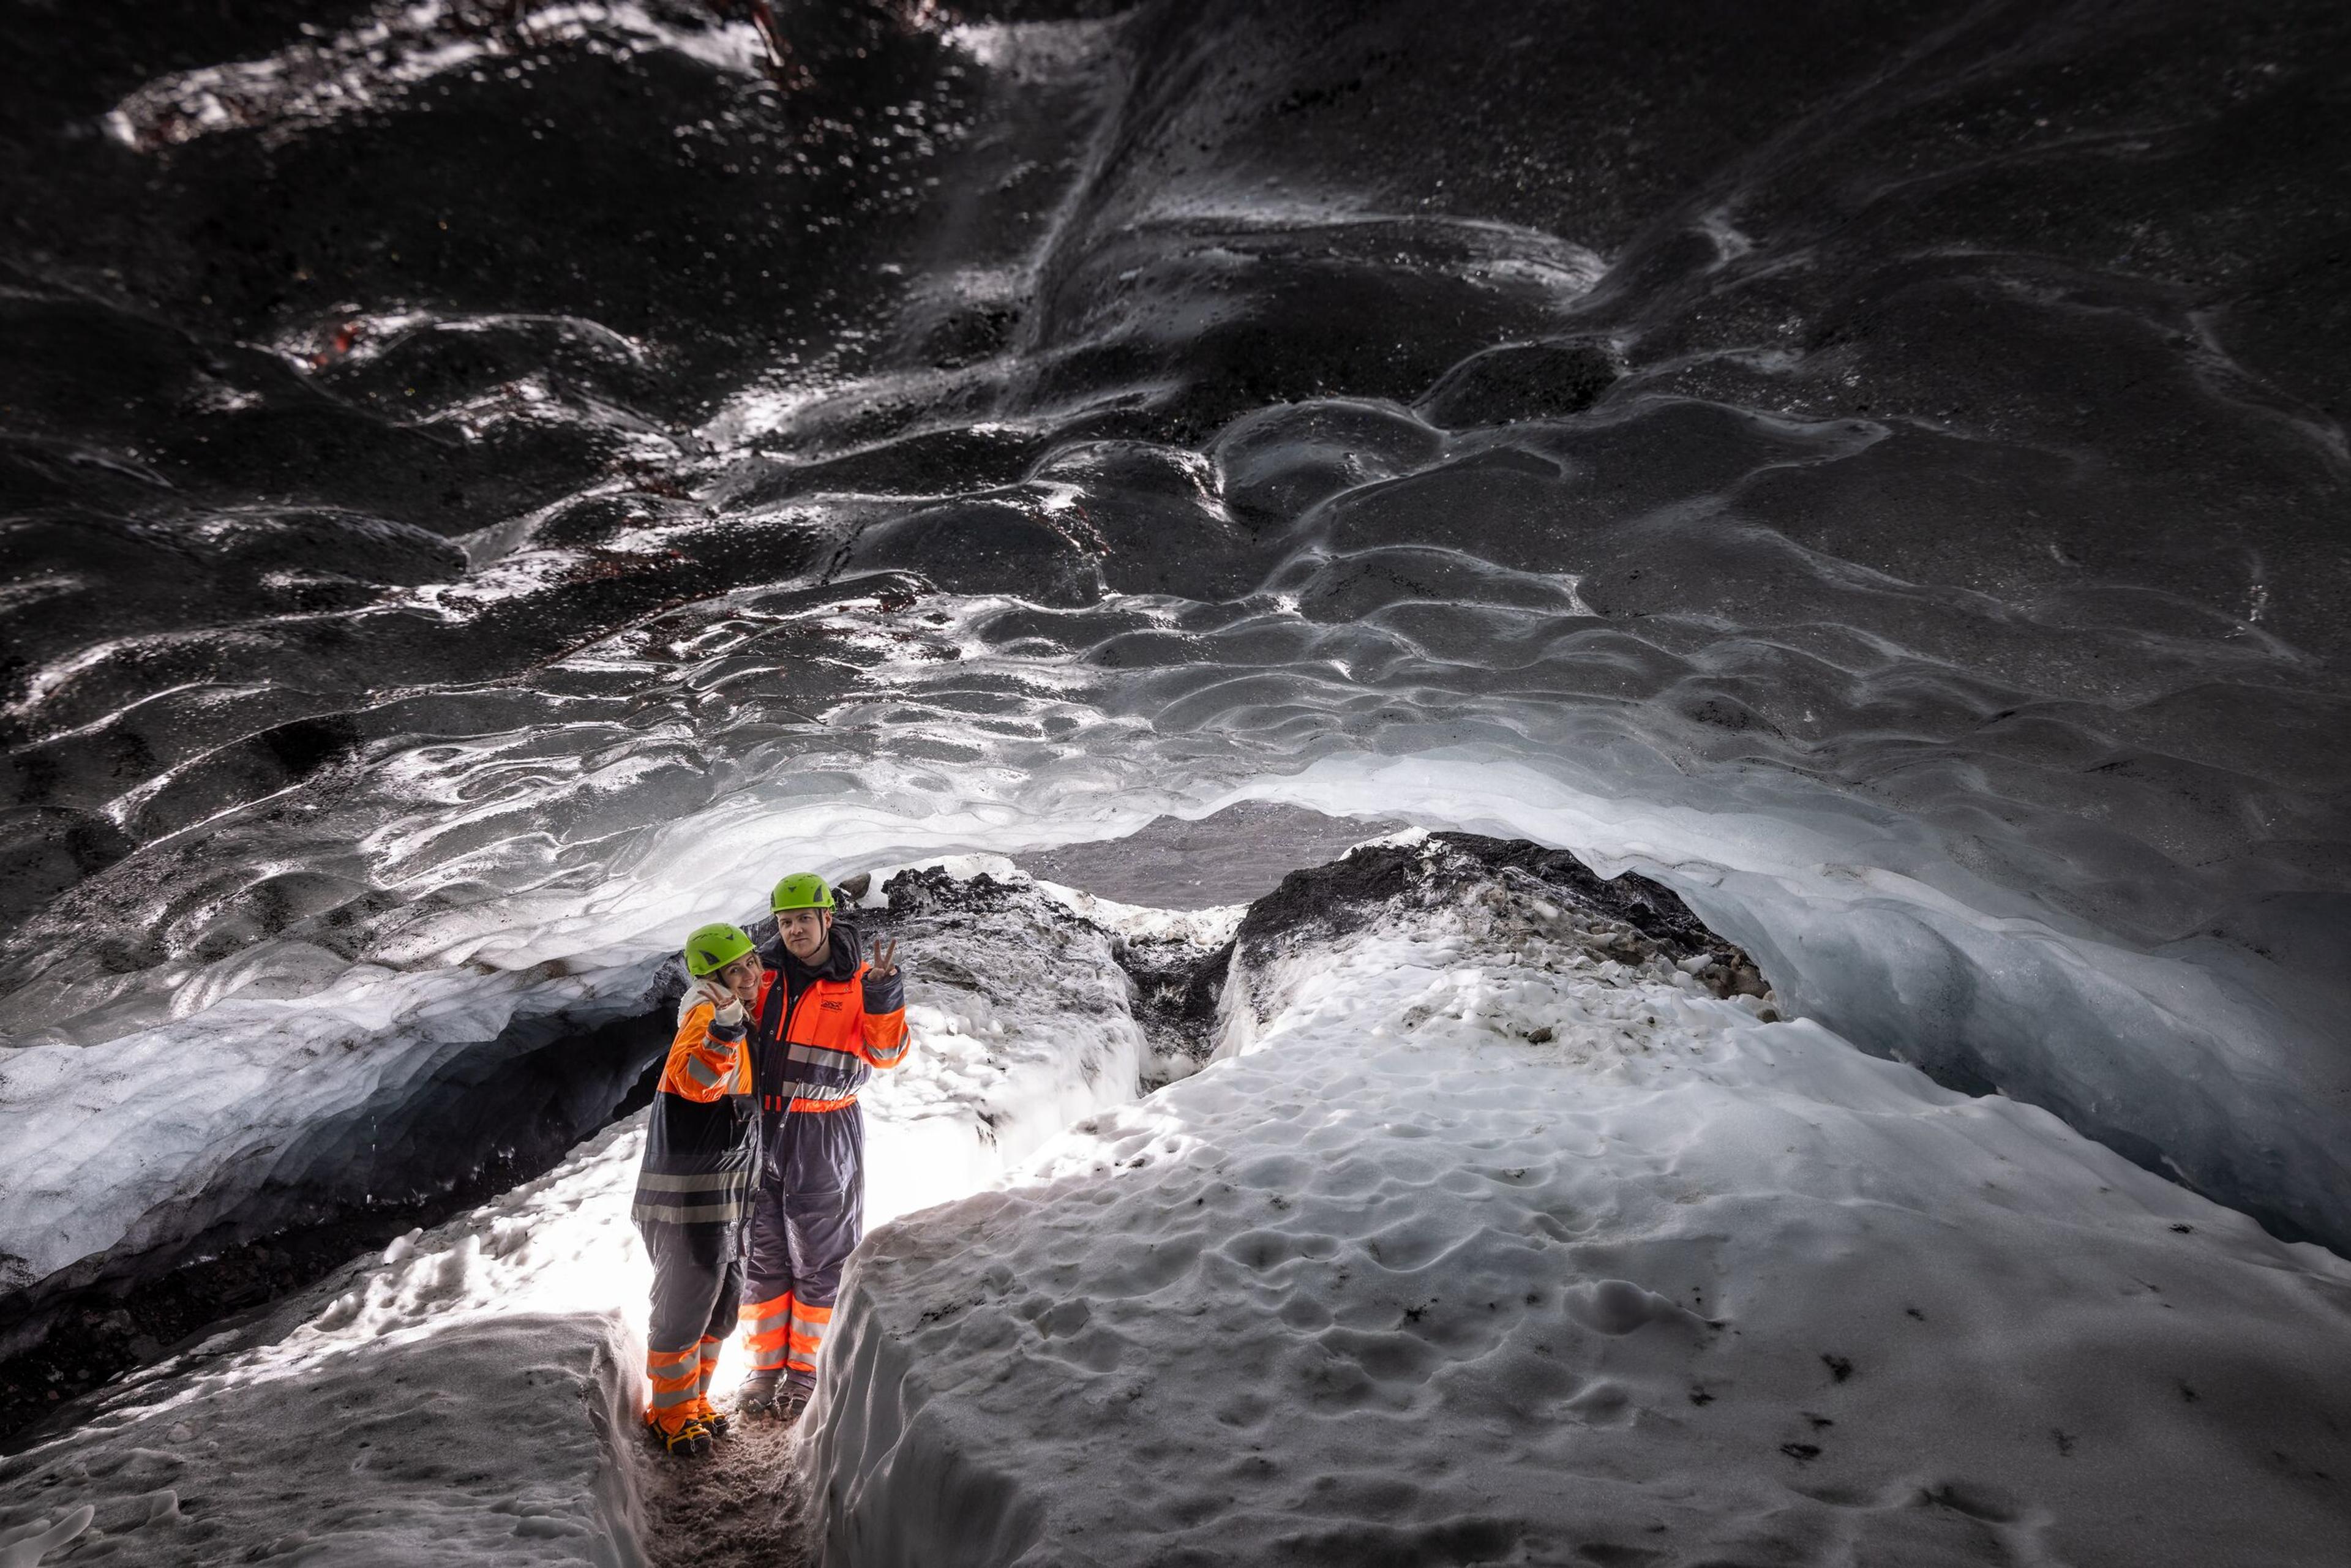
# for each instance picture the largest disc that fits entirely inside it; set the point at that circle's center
(480, 496)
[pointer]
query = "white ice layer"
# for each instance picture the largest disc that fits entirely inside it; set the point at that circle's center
(1857, 917)
(152, 1137)
(173, 1126)
(1488, 1252)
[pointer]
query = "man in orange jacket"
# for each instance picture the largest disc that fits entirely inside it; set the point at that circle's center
(824, 1020)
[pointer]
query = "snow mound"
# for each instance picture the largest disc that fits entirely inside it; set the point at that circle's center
(1490, 1245)
(1021, 1021)
(454, 1399)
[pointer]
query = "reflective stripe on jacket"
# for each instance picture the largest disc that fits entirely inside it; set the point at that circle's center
(700, 1142)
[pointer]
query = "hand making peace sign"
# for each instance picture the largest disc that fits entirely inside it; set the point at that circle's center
(886, 956)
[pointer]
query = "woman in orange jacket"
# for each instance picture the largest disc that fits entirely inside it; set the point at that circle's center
(694, 1188)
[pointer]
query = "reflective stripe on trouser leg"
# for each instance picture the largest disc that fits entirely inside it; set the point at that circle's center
(824, 1228)
(766, 1325)
(675, 1377)
(767, 1253)
(709, 1369)
(697, 1281)
(806, 1219)
(805, 1339)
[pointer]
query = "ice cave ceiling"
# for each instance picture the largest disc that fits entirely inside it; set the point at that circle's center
(483, 484)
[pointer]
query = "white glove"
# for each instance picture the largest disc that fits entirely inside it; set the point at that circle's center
(726, 1005)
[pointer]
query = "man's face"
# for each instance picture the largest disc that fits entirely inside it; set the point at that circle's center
(804, 932)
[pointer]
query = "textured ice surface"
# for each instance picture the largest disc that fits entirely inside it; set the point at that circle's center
(480, 493)
(1490, 1248)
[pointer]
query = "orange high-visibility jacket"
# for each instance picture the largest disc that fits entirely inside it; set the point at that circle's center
(842, 1024)
(700, 1142)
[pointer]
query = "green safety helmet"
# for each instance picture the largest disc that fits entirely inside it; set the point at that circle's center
(802, 890)
(713, 947)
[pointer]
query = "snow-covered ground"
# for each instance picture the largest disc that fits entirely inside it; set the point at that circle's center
(1022, 1024)
(1495, 1237)
(1489, 1249)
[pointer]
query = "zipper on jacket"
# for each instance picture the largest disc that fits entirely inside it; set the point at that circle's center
(783, 1037)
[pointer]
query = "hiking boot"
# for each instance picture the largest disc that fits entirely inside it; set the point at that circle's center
(714, 1420)
(790, 1401)
(757, 1397)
